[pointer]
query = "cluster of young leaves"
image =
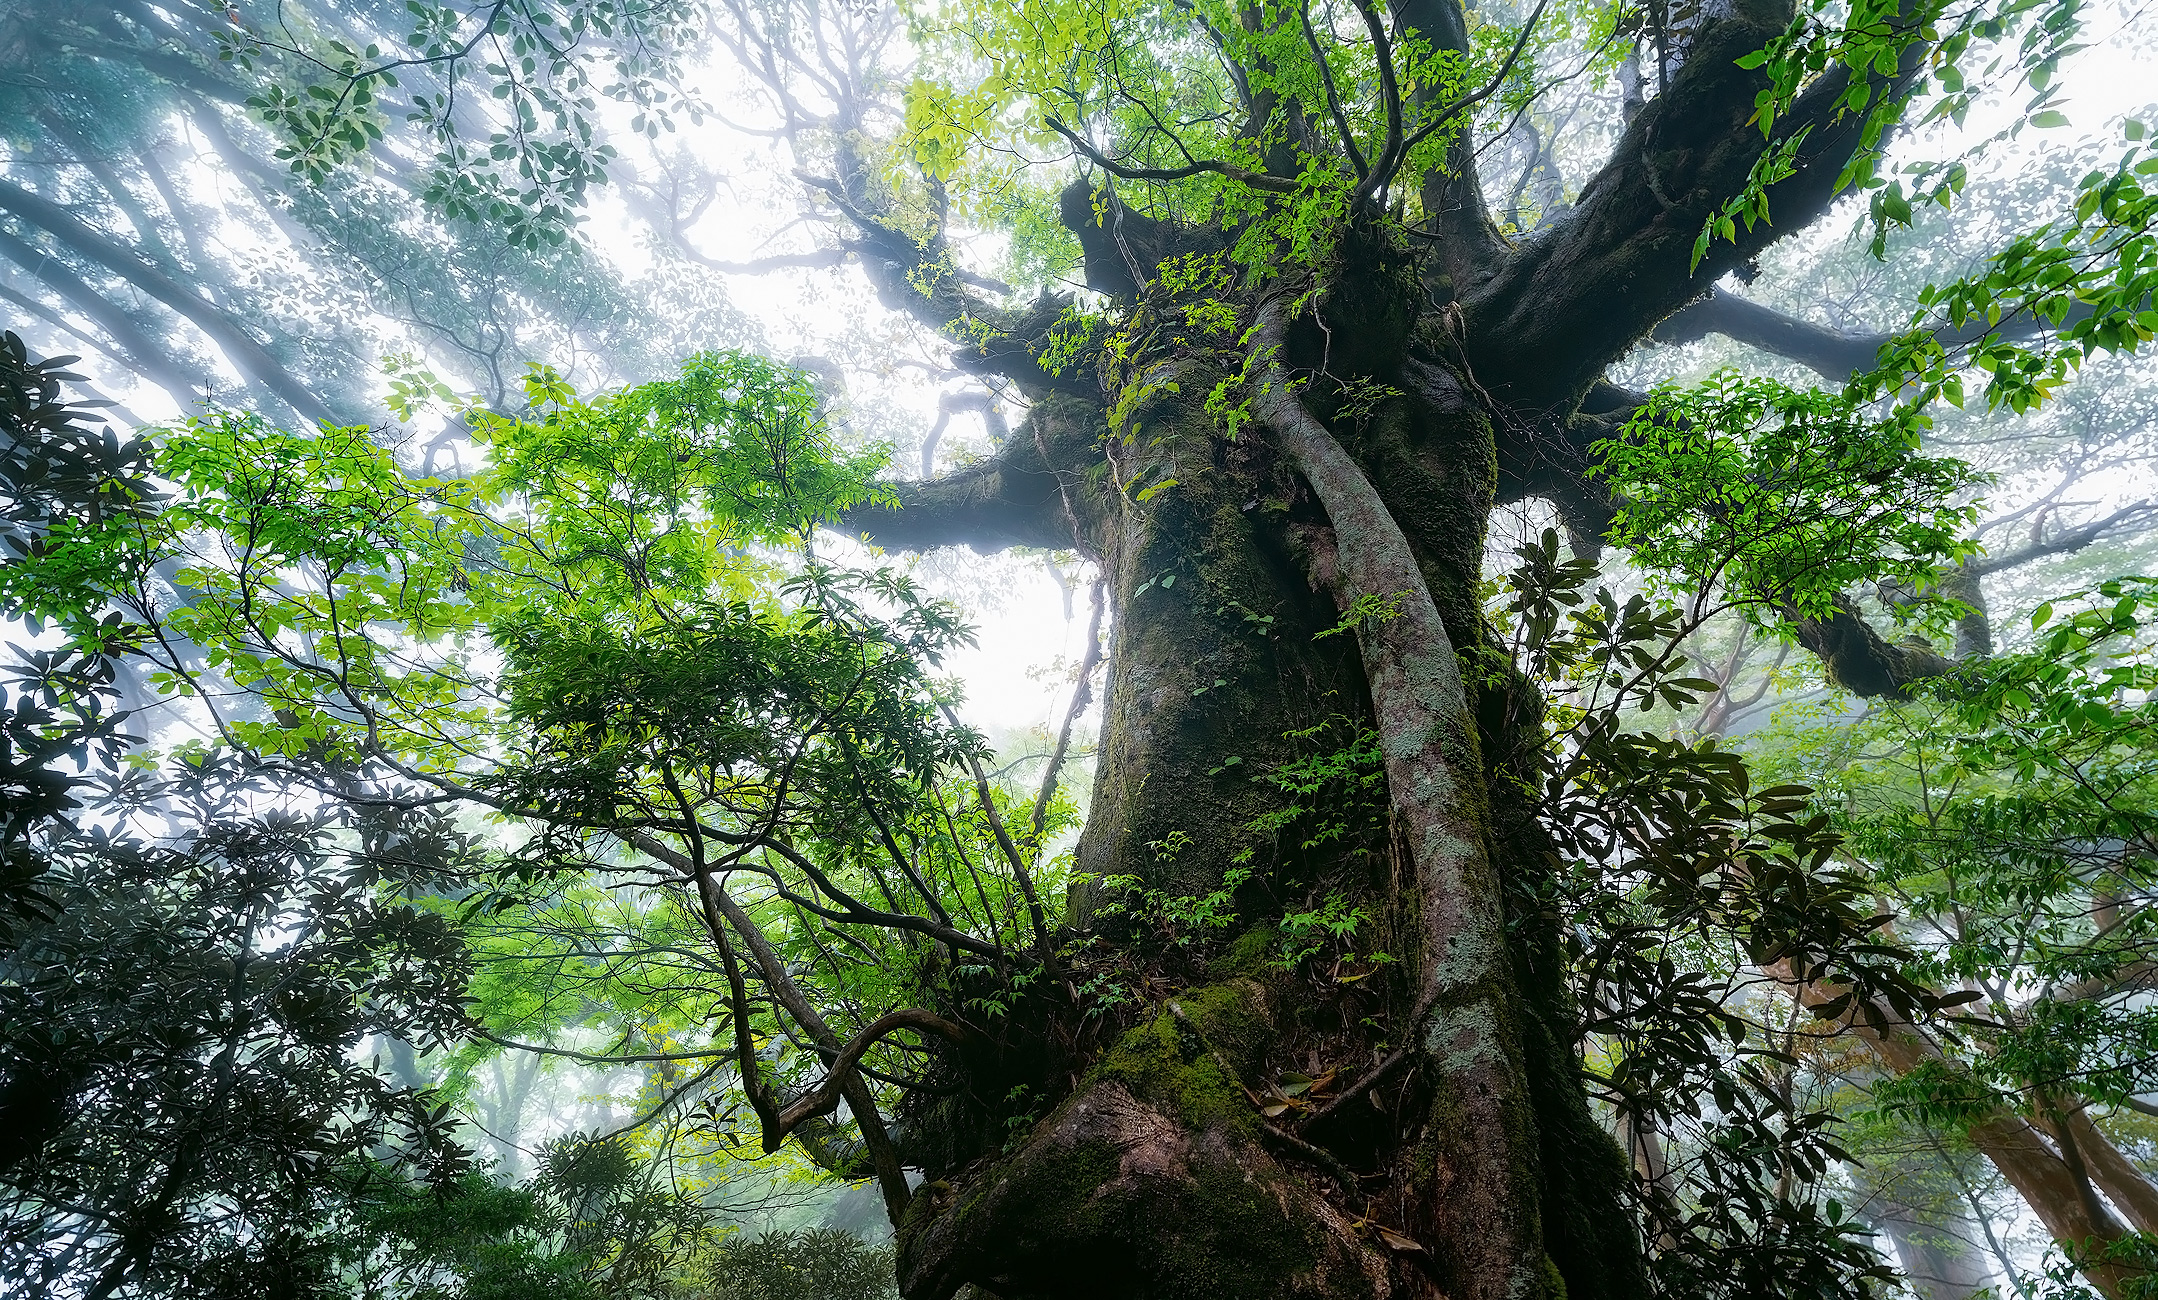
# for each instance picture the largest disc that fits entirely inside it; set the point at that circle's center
(1330, 793)
(1780, 498)
(2087, 277)
(1334, 793)
(529, 74)
(1683, 889)
(1165, 93)
(1885, 59)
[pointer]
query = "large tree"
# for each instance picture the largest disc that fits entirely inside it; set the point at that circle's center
(1308, 1016)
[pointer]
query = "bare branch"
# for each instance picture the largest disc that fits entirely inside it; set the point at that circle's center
(1457, 107)
(1333, 97)
(825, 1097)
(1256, 180)
(1012, 856)
(247, 353)
(1833, 354)
(1082, 695)
(2073, 540)
(144, 355)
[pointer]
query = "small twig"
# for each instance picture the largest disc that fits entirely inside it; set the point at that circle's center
(1256, 180)
(1082, 696)
(1380, 1073)
(1326, 1160)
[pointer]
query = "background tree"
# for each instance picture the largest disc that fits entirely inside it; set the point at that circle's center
(191, 962)
(154, 221)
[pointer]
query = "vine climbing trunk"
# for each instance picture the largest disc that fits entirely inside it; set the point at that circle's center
(1484, 1203)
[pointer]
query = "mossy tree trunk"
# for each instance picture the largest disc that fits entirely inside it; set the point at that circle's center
(1156, 1173)
(1451, 1150)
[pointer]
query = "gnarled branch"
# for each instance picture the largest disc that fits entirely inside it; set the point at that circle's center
(1012, 498)
(1861, 660)
(1575, 299)
(1833, 354)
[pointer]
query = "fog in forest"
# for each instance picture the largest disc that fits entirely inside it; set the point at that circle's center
(823, 648)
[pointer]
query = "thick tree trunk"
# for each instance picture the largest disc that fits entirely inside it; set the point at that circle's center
(1449, 1150)
(1470, 1166)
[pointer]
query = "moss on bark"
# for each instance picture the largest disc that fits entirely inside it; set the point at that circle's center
(1155, 1175)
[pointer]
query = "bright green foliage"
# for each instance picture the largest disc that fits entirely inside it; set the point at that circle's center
(2013, 815)
(354, 599)
(1148, 83)
(652, 488)
(1867, 57)
(1784, 497)
(611, 638)
(2089, 274)
(1328, 795)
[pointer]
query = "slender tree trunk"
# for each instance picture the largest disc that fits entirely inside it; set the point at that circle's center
(1941, 1248)
(2128, 1187)
(146, 356)
(2040, 1173)
(1938, 1261)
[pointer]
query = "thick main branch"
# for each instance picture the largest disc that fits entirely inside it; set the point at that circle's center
(1575, 299)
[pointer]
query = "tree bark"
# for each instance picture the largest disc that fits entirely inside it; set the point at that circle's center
(1473, 1169)
(1938, 1260)
(1460, 1158)
(1486, 1207)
